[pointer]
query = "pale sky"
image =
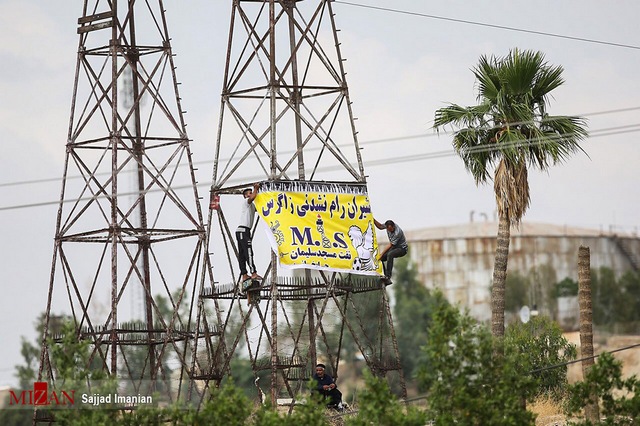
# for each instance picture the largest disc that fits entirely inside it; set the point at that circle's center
(401, 67)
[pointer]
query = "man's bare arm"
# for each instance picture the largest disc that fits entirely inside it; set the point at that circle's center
(254, 193)
(385, 251)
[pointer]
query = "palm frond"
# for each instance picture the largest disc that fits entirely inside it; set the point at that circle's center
(520, 69)
(520, 112)
(548, 79)
(510, 128)
(460, 116)
(470, 144)
(567, 132)
(487, 77)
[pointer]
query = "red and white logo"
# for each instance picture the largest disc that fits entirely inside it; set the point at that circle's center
(40, 395)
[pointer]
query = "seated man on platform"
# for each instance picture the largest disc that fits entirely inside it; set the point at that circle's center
(326, 386)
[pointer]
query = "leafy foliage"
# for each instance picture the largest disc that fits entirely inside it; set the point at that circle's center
(615, 300)
(377, 405)
(538, 286)
(69, 358)
(70, 355)
(605, 296)
(363, 309)
(228, 405)
(465, 383)
(536, 345)
(566, 287)
(507, 132)
(629, 283)
(619, 398)
(516, 293)
(310, 412)
(243, 377)
(510, 127)
(413, 308)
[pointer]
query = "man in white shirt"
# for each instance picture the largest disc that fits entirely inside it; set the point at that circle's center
(243, 233)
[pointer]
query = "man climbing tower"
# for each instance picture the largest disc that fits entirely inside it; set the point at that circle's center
(397, 248)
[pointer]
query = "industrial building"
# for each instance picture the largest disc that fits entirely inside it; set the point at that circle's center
(459, 259)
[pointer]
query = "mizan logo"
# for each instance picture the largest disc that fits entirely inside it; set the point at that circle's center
(40, 395)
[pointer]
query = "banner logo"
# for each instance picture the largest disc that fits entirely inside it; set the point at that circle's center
(40, 395)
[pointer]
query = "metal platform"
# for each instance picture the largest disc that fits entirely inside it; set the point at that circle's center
(133, 333)
(301, 288)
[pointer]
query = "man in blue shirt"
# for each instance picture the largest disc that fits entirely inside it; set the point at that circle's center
(326, 386)
(397, 248)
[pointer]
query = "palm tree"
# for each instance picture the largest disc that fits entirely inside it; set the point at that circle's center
(591, 408)
(505, 133)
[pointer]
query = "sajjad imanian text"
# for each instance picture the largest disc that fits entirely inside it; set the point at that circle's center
(113, 398)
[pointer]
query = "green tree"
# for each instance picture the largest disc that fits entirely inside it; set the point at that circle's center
(605, 295)
(378, 406)
(243, 376)
(228, 406)
(616, 301)
(629, 282)
(70, 359)
(536, 345)
(619, 398)
(543, 280)
(516, 293)
(465, 383)
(566, 287)
(506, 132)
(536, 287)
(362, 311)
(311, 412)
(138, 363)
(414, 304)
(26, 374)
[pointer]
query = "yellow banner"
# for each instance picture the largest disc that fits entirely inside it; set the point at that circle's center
(320, 226)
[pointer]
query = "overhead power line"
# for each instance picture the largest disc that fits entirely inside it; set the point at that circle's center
(438, 154)
(564, 364)
(369, 142)
(483, 24)
(373, 163)
(451, 153)
(538, 370)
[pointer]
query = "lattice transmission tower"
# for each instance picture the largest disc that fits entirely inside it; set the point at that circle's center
(286, 116)
(129, 221)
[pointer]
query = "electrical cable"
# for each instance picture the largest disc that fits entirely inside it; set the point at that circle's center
(482, 24)
(372, 163)
(563, 364)
(550, 367)
(370, 142)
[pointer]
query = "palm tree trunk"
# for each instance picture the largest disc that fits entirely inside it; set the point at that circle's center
(499, 277)
(586, 327)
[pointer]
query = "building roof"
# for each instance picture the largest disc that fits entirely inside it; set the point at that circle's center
(489, 229)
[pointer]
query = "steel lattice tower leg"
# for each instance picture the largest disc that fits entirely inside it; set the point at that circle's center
(130, 233)
(286, 115)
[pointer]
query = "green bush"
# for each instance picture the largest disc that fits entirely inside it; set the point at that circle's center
(227, 406)
(466, 381)
(619, 398)
(536, 345)
(378, 406)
